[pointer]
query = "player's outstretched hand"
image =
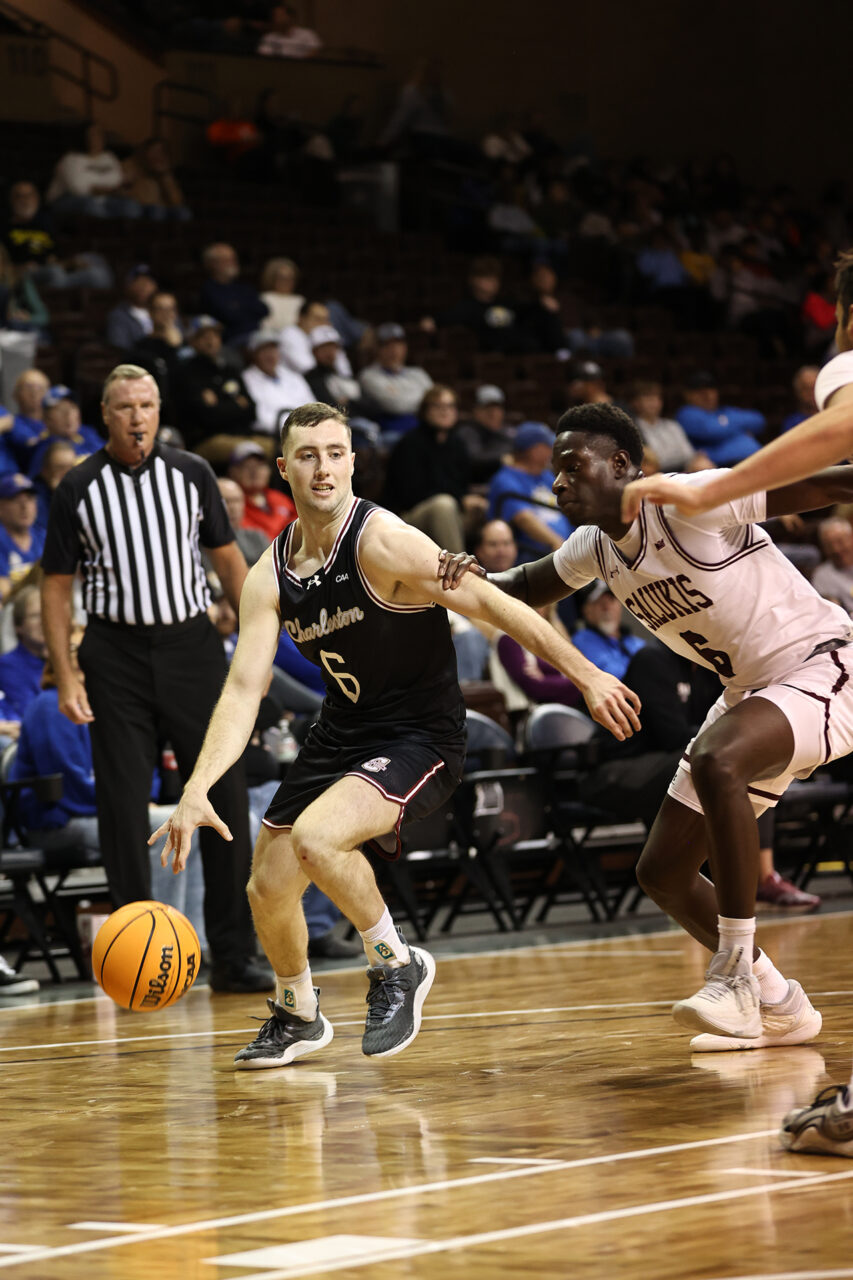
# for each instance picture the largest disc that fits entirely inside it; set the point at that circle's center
(453, 565)
(662, 491)
(193, 811)
(613, 705)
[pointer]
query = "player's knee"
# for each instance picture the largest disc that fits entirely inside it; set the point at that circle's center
(715, 767)
(310, 847)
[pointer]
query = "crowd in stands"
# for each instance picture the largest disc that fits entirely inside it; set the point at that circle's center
(453, 392)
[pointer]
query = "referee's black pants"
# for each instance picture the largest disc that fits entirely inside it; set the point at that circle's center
(147, 685)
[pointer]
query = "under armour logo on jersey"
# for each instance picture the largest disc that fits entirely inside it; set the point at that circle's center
(614, 572)
(659, 546)
(315, 581)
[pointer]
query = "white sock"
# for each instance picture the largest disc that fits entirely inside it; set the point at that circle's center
(772, 986)
(846, 1098)
(383, 944)
(737, 933)
(296, 994)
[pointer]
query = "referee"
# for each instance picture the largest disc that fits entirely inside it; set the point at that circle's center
(132, 518)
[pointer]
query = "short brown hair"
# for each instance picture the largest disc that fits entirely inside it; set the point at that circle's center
(645, 387)
(311, 415)
(844, 282)
(127, 372)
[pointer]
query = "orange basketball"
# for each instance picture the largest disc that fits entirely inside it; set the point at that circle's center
(146, 956)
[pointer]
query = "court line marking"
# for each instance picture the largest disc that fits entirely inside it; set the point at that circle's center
(776, 1173)
(380, 1197)
(788, 1275)
(115, 1226)
(531, 1160)
(17, 1248)
(456, 1243)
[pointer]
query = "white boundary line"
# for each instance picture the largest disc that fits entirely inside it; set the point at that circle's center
(455, 1243)
(403, 1193)
(779, 1275)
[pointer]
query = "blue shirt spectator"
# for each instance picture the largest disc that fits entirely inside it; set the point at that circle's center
(521, 494)
(21, 669)
(50, 743)
(603, 639)
(21, 544)
(62, 422)
(236, 305)
(725, 433)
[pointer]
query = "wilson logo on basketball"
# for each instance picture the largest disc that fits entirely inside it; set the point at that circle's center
(190, 975)
(157, 985)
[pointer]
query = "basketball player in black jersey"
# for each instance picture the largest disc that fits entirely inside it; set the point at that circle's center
(355, 588)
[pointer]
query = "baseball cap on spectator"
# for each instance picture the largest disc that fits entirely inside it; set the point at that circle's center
(141, 269)
(699, 380)
(489, 394)
(588, 371)
(246, 449)
(322, 334)
(55, 395)
(199, 323)
(594, 591)
(14, 483)
(262, 338)
(532, 433)
(390, 333)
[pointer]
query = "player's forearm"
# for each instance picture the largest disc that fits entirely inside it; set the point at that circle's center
(56, 622)
(227, 736)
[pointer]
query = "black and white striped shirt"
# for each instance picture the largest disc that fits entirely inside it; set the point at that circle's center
(136, 535)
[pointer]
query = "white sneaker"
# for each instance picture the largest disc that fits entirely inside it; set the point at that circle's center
(793, 1020)
(825, 1128)
(729, 1003)
(12, 984)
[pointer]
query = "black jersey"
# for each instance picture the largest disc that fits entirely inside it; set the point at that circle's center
(386, 667)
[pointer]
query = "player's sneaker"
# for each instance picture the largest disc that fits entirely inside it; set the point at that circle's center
(775, 892)
(824, 1128)
(12, 984)
(729, 1001)
(394, 1003)
(793, 1020)
(283, 1038)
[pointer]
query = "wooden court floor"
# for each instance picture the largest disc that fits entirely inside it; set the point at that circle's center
(548, 1121)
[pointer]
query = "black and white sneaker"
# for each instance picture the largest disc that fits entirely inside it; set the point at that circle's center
(394, 1004)
(283, 1038)
(12, 984)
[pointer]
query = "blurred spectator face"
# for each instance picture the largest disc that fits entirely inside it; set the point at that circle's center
(439, 409)
(208, 342)
(234, 499)
(252, 474)
(496, 548)
(836, 540)
(804, 383)
(648, 404)
(604, 613)
(24, 201)
(221, 263)
(491, 416)
(315, 313)
(485, 288)
(707, 398)
(140, 290)
(326, 354)
(18, 514)
(393, 354)
(58, 460)
(535, 459)
(282, 18)
(28, 624)
(156, 157)
(30, 389)
(266, 358)
(284, 280)
(588, 391)
(543, 279)
(63, 419)
(95, 139)
(163, 310)
(225, 619)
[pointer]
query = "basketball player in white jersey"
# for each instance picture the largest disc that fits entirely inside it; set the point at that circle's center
(716, 590)
(825, 1127)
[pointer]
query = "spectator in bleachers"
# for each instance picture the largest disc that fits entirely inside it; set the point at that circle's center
(758, 301)
(603, 638)
(274, 388)
(665, 280)
(328, 386)
(393, 390)
(31, 387)
(56, 461)
(251, 542)
(90, 183)
(286, 39)
(8, 459)
(486, 311)
(22, 667)
(803, 383)
(21, 543)
(486, 436)
(427, 477)
(663, 436)
(542, 317)
(30, 240)
(422, 117)
(521, 494)
(531, 679)
(212, 400)
(152, 182)
(833, 578)
(62, 422)
(725, 433)
(163, 349)
(496, 549)
(234, 302)
(817, 314)
(587, 385)
(295, 340)
(131, 320)
(267, 509)
(21, 308)
(278, 290)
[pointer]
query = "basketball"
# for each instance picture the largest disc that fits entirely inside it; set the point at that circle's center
(146, 956)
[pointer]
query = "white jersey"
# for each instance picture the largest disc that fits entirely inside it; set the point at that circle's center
(833, 376)
(712, 587)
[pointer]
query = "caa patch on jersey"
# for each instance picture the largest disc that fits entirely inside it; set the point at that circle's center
(377, 765)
